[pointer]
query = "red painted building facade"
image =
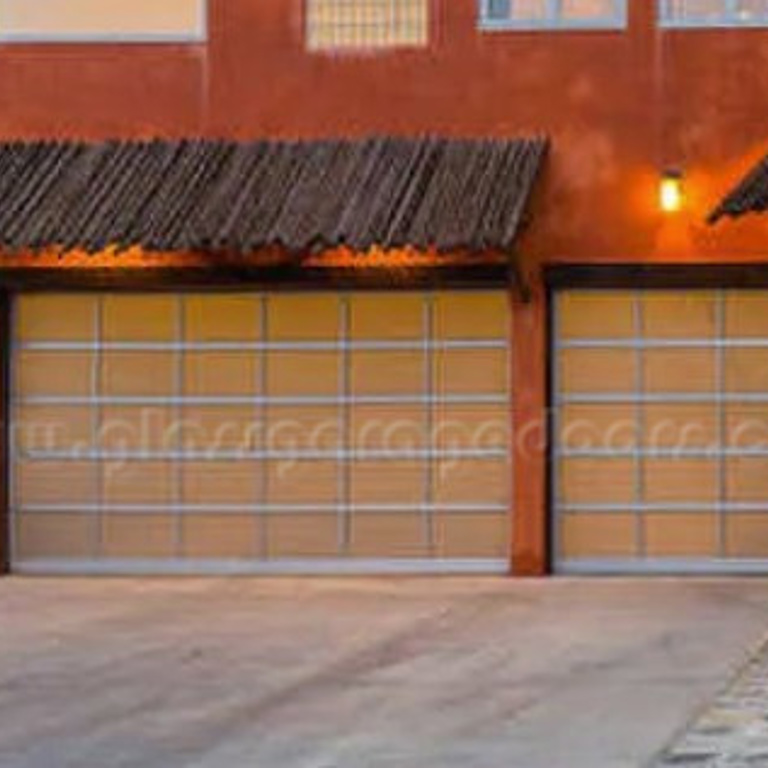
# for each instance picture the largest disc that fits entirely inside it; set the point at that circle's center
(619, 106)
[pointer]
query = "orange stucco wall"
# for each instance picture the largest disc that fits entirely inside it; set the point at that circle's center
(618, 106)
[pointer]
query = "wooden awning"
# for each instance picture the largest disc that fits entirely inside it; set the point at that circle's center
(241, 197)
(750, 195)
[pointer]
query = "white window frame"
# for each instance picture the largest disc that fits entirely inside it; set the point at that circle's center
(728, 18)
(554, 19)
(201, 36)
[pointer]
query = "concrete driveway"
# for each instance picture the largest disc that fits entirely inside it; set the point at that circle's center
(433, 673)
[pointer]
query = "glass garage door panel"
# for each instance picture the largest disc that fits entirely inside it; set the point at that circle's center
(661, 439)
(250, 432)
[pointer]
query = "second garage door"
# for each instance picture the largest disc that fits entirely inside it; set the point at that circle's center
(261, 432)
(661, 439)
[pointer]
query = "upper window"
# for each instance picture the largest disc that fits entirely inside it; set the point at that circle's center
(363, 24)
(553, 14)
(714, 13)
(102, 20)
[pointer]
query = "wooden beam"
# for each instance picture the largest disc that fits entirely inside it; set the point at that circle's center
(519, 279)
(246, 277)
(530, 428)
(684, 276)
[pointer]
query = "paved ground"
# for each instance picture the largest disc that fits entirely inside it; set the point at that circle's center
(362, 674)
(733, 731)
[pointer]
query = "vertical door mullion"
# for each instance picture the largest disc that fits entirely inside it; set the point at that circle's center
(263, 413)
(177, 464)
(344, 461)
(428, 438)
(97, 415)
(722, 425)
(639, 335)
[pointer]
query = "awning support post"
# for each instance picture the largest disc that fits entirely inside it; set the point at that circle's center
(519, 279)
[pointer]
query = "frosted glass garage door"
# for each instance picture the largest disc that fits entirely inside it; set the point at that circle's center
(661, 431)
(248, 432)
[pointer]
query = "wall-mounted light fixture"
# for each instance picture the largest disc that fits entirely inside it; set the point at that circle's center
(671, 193)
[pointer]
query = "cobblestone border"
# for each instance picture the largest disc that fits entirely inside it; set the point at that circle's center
(733, 731)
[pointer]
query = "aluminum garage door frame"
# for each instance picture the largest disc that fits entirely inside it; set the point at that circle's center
(727, 505)
(179, 347)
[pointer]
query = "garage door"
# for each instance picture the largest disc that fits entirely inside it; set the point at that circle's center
(246, 432)
(661, 431)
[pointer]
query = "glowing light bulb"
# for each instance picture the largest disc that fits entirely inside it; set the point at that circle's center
(671, 197)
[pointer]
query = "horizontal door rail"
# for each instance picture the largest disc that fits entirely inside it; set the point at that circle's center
(265, 566)
(383, 454)
(177, 507)
(251, 400)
